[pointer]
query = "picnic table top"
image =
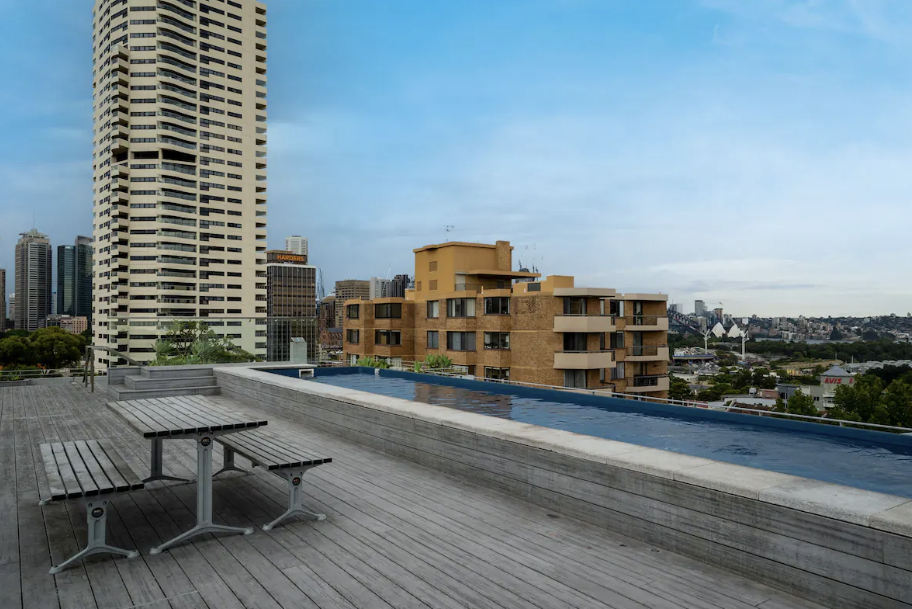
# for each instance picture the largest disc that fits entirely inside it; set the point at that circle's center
(184, 415)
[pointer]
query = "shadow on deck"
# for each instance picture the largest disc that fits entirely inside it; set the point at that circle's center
(397, 535)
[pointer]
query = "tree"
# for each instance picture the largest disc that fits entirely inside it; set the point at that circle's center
(56, 348)
(859, 401)
(896, 407)
(836, 334)
(798, 403)
(679, 389)
(870, 335)
(16, 351)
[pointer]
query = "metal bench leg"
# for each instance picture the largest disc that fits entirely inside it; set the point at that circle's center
(228, 462)
(294, 499)
(157, 473)
(204, 522)
(97, 515)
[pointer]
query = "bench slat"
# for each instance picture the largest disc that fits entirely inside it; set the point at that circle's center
(86, 468)
(204, 420)
(165, 417)
(66, 471)
(272, 450)
(131, 478)
(56, 488)
(206, 405)
(137, 420)
(275, 452)
(100, 477)
(83, 477)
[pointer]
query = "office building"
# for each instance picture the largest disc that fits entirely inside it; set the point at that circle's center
(179, 170)
(699, 308)
(291, 306)
(2, 300)
(469, 305)
(74, 279)
(399, 285)
(11, 320)
(33, 280)
(73, 325)
(349, 289)
(327, 312)
(297, 245)
(379, 288)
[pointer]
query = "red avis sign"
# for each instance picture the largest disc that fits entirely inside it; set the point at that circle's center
(836, 380)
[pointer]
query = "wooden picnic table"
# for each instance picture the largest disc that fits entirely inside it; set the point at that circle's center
(181, 418)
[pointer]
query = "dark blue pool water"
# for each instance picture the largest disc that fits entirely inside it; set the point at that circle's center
(870, 460)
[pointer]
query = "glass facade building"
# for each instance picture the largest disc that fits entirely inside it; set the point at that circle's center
(291, 305)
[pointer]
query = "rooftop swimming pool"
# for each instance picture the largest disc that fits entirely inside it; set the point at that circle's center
(875, 461)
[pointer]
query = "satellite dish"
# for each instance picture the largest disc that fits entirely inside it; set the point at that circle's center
(718, 331)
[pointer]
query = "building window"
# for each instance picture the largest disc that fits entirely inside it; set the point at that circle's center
(499, 305)
(433, 309)
(574, 306)
(616, 340)
(574, 341)
(433, 339)
(391, 338)
(417, 286)
(432, 284)
(461, 341)
(497, 374)
(353, 336)
(352, 311)
(496, 340)
(432, 266)
(616, 307)
(575, 378)
(390, 310)
(617, 373)
(460, 307)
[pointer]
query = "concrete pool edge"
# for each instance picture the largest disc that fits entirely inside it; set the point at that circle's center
(867, 508)
(837, 545)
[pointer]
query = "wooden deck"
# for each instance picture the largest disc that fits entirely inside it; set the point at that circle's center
(397, 536)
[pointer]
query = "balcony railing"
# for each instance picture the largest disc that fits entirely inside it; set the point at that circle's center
(648, 380)
(645, 350)
(644, 320)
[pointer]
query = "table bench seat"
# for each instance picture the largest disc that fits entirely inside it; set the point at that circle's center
(285, 454)
(89, 470)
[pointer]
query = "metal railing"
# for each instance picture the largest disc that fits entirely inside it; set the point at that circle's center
(643, 320)
(644, 350)
(89, 365)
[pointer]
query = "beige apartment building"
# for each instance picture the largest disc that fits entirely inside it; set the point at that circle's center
(179, 170)
(469, 305)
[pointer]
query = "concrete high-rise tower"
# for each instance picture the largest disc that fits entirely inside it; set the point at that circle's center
(298, 245)
(33, 281)
(2, 300)
(179, 170)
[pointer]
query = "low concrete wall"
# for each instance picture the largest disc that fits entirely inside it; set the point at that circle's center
(838, 546)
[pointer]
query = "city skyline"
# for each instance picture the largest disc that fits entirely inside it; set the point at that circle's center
(742, 141)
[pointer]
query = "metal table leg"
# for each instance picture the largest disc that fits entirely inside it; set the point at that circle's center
(97, 516)
(294, 498)
(228, 462)
(204, 522)
(157, 464)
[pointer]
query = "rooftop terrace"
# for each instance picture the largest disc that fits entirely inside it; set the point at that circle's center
(398, 534)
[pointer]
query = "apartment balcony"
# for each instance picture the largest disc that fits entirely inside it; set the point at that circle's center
(647, 353)
(648, 383)
(585, 323)
(583, 360)
(647, 323)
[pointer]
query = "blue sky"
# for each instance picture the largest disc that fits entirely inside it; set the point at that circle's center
(751, 152)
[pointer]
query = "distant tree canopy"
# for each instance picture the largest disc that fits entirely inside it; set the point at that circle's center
(871, 400)
(46, 348)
